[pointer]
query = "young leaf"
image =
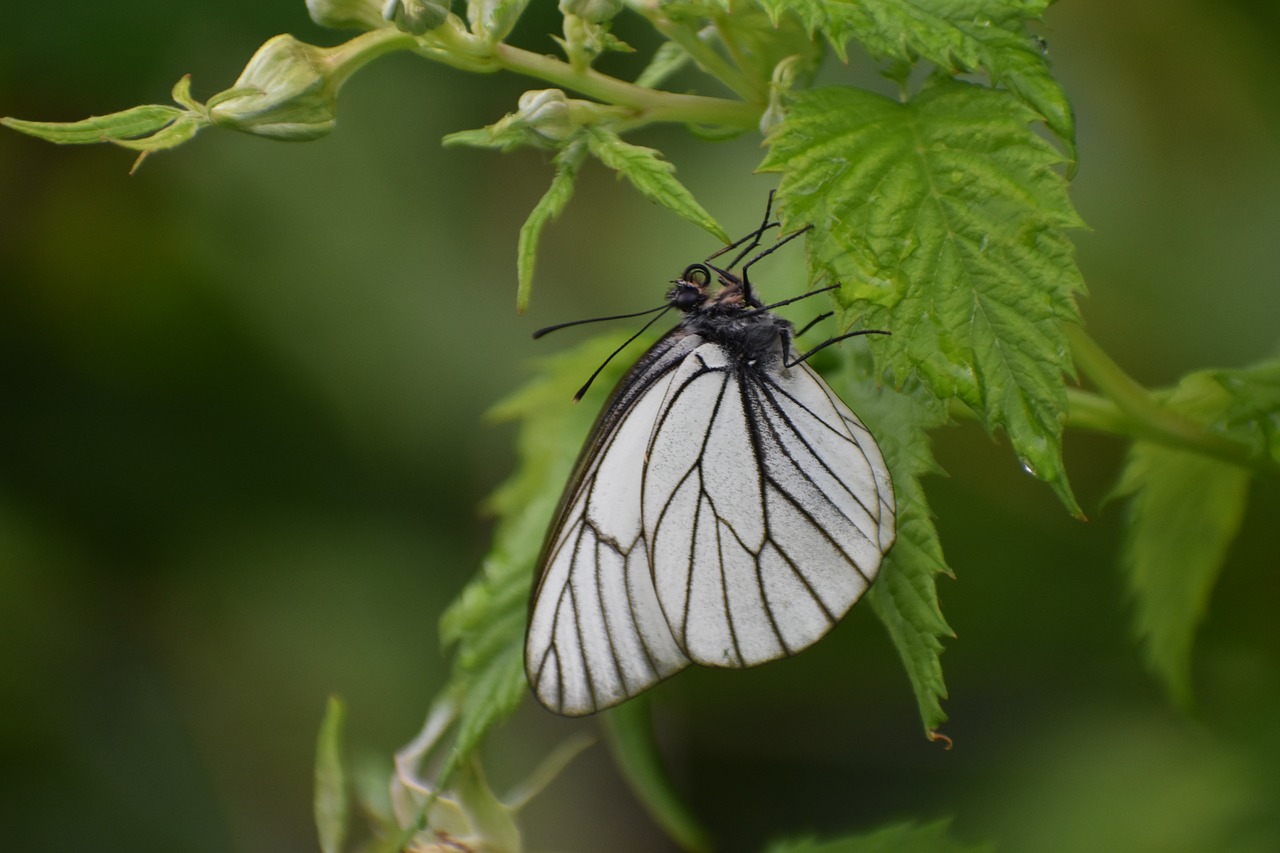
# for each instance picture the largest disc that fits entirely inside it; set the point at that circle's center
(486, 623)
(905, 596)
(127, 124)
(552, 203)
(330, 782)
(651, 175)
(959, 36)
(929, 838)
(635, 750)
(943, 218)
(1254, 411)
(1186, 510)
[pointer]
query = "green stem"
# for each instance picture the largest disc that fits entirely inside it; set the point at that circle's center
(353, 55)
(653, 105)
(1128, 408)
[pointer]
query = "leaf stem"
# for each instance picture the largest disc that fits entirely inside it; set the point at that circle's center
(1127, 408)
(653, 105)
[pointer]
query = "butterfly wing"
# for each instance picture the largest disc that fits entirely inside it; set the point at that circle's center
(766, 506)
(596, 633)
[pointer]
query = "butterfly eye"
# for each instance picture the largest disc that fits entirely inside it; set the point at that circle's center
(686, 297)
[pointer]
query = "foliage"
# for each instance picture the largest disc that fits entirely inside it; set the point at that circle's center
(941, 210)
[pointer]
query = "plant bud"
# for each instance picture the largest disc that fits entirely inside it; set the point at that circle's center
(287, 91)
(415, 16)
(592, 11)
(545, 112)
(347, 14)
(492, 20)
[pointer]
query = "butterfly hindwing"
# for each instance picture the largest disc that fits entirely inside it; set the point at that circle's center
(766, 507)
(596, 632)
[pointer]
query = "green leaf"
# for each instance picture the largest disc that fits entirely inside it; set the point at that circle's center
(1253, 413)
(1185, 511)
(116, 127)
(943, 219)
(929, 838)
(904, 596)
(486, 623)
(552, 203)
(959, 36)
(635, 750)
(651, 175)
(331, 792)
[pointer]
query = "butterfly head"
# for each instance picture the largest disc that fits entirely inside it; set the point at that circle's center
(692, 291)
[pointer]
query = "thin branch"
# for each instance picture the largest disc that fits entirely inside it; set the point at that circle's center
(653, 105)
(1139, 414)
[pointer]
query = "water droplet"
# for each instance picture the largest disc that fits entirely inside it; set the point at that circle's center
(1028, 467)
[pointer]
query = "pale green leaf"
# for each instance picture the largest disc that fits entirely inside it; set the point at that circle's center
(904, 596)
(552, 203)
(651, 175)
(928, 838)
(127, 124)
(959, 36)
(330, 780)
(943, 220)
(170, 136)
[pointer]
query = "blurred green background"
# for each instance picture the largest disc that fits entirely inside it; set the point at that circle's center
(241, 459)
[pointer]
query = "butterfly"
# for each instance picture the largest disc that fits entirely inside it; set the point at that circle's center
(727, 509)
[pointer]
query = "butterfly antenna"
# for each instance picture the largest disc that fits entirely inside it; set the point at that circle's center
(746, 282)
(755, 237)
(583, 390)
(546, 330)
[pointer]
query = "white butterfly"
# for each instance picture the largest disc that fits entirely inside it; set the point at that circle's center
(727, 509)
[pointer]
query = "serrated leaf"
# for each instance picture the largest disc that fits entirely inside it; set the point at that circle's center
(651, 175)
(486, 623)
(904, 596)
(116, 127)
(959, 36)
(551, 205)
(928, 838)
(330, 780)
(500, 136)
(1185, 511)
(943, 219)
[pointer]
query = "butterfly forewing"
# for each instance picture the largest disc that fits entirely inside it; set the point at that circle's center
(766, 507)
